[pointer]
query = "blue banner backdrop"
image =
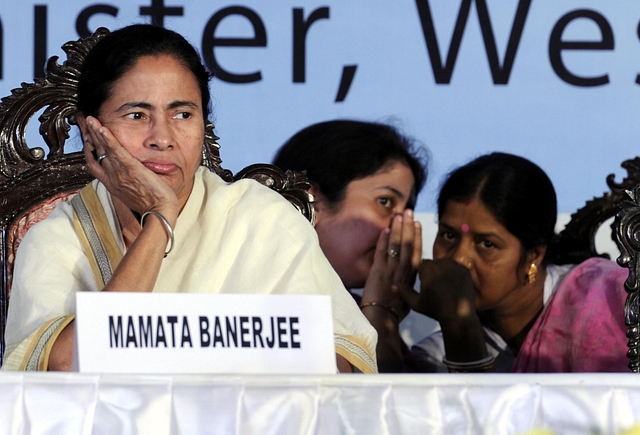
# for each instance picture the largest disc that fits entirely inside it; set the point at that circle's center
(553, 81)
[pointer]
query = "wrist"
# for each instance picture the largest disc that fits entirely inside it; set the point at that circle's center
(464, 339)
(480, 365)
(460, 324)
(167, 226)
(170, 213)
(462, 311)
(388, 308)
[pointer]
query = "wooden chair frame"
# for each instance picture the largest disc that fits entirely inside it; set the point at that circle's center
(577, 239)
(627, 234)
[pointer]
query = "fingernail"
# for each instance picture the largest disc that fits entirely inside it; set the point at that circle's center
(409, 213)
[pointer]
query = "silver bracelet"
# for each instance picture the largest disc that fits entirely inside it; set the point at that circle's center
(481, 365)
(166, 224)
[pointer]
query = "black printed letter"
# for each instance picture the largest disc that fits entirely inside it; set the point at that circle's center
(556, 45)
(300, 29)
(210, 41)
(442, 73)
(82, 22)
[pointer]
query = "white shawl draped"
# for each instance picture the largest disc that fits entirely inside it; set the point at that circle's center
(229, 238)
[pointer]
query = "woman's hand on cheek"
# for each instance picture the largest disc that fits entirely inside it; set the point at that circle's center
(124, 176)
(398, 249)
(406, 239)
(378, 285)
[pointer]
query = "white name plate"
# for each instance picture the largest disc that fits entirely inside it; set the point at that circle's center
(204, 333)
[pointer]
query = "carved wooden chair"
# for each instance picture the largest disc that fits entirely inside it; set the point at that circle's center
(627, 233)
(577, 240)
(33, 181)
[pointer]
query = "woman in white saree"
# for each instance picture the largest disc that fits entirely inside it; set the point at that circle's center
(154, 219)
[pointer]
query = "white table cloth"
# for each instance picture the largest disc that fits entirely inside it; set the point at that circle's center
(49, 403)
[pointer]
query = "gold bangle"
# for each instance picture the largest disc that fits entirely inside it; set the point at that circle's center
(386, 307)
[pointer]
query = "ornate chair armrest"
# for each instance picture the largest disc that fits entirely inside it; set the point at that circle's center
(294, 186)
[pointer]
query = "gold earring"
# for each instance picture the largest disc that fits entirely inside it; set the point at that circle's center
(531, 274)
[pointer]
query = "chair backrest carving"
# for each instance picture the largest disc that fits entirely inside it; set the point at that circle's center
(627, 233)
(294, 186)
(32, 180)
(577, 240)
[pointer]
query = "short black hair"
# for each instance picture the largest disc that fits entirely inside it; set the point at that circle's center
(116, 53)
(334, 153)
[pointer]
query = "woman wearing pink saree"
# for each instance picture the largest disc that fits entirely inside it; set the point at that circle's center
(501, 301)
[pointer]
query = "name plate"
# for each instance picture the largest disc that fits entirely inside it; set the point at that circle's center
(204, 333)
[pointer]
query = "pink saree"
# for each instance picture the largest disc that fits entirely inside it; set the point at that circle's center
(582, 327)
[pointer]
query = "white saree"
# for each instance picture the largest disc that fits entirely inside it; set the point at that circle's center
(229, 238)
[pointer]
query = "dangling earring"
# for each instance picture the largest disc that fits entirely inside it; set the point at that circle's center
(531, 274)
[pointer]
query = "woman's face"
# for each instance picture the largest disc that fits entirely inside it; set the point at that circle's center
(155, 112)
(349, 232)
(469, 234)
